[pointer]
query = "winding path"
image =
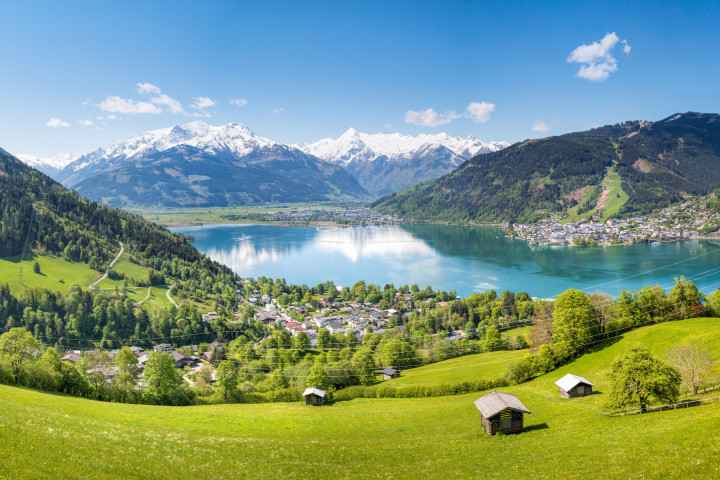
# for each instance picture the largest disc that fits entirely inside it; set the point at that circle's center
(167, 294)
(122, 249)
(146, 296)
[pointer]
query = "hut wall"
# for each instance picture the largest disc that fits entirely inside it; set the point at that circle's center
(494, 424)
(563, 393)
(580, 390)
(314, 400)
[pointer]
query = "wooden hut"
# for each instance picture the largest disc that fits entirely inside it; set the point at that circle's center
(501, 412)
(571, 386)
(314, 396)
(390, 373)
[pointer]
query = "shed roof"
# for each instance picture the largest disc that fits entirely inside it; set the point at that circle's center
(570, 381)
(389, 371)
(495, 402)
(320, 392)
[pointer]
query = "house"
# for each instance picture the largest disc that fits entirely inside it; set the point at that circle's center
(390, 373)
(71, 357)
(501, 412)
(142, 360)
(163, 347)
(182, 360)
(571, 386)
(210, 316)
(265, 317)
(314, 396)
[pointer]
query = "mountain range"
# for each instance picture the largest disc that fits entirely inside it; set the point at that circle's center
(625, 169)
(196, 164)
(386, 163)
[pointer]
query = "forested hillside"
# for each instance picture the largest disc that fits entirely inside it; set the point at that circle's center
(658, 164)
(38, 215)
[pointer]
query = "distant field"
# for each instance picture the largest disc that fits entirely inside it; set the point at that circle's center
(471, 367)
(52, 270)
(615, 198)
(52, 436)
(199, 215)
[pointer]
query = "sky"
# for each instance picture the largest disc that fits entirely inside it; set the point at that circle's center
(81, 75)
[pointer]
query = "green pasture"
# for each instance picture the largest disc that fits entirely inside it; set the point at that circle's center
(53, 436)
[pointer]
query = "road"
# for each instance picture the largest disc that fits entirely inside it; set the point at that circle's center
(167, 294)
(122, 249)
(146, 296)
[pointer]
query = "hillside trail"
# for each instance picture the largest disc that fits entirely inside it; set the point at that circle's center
(122, 249)
(167, 294)
(146, 296)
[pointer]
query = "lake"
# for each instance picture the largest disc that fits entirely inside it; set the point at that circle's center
(464, 259)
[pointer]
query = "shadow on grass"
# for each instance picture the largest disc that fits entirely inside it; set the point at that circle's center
(537, 426)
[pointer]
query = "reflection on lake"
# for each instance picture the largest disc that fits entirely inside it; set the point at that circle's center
(464, 259)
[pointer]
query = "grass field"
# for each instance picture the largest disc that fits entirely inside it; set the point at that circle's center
(199, 216)
(52, 270)
(470, 367)
(52, 436)
(616, 198)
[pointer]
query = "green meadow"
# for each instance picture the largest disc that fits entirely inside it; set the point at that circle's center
(54, 436)
(52, 270)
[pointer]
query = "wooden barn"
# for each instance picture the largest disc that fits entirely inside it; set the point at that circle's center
(314, 396)
(571, 386)
(501, 412)
(390, 373)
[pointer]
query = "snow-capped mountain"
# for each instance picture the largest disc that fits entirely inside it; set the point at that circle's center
(385, 163)
(200, 164)
(48, 165)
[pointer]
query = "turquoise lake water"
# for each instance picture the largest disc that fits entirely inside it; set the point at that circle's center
(464, 259)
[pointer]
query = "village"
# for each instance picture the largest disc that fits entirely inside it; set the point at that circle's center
(689, 220)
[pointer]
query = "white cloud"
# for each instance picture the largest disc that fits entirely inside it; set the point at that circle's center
(388, 125)
(429, 117)
(86, 102)
(542, 126)
(278, 110)
(165, 101)
(626, 47)
(86, 123)
(201, 103)
(115, 104)
(57, 123)
(597, 61)
(480, 112)
(148, 88)
(238, 102)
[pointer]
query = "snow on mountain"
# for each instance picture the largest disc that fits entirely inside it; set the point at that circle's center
(234, 139)
(384, 163)
(48, 165)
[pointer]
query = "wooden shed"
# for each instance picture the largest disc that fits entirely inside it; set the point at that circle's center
(501, 412)
(571, 386)
(390, 373)
(314, 396)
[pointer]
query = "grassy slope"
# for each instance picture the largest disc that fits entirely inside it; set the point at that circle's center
(470, 367)
(50, 436)
(615, 200)
(52, 270)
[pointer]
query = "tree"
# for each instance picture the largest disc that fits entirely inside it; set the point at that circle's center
(397, 353)
(323, 338)
(301, 341)
(17, 346)
(161, 377)
(493, 339)
(227, 378)
(638, 378)
(317, 377)
(470, 330)
(686, 298)
(693, 362)
(126, 361)
(575, 322)
(36, 268)
(364, 365)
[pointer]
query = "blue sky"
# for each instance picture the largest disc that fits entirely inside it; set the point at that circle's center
(308, 70)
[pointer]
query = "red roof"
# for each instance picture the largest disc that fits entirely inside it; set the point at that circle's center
(292, 323)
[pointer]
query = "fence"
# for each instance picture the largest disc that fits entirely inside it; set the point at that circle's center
(674, 406)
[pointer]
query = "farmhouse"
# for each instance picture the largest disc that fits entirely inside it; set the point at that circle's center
(390, 373)
(181, 359)
(314, 396)
(71, 357)
(501, 412)
(571, 386)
